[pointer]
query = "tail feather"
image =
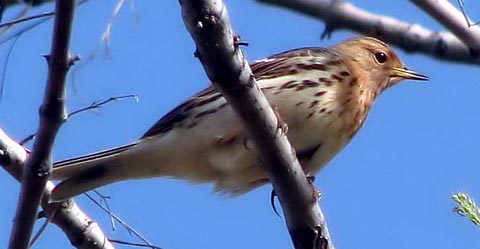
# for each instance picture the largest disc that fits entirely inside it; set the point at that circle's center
(90, 179)
(76, 166)
(85, 173)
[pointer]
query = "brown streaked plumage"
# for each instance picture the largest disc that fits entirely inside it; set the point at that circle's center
(324, 95)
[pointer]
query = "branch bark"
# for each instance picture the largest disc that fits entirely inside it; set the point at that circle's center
(450, 17)
(79, 228)
(52, 114)
(209, 25)
(339, 14)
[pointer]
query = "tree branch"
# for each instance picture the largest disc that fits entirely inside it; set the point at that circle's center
(52, 114)
(338, 14)
(79, 228)
(445, 13)
(208, 23)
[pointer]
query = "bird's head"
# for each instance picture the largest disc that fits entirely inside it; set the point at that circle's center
(375, 62)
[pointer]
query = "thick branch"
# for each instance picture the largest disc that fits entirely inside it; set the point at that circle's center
(338, 14)
(79, 228)
(208, 23)
(445, 13)
(52, 115)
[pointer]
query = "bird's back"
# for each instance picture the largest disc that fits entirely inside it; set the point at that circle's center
(203, 140)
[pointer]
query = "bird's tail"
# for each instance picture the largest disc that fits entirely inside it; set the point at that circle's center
(85, 173)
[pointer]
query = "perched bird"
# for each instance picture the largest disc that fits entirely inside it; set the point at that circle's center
(322, 94)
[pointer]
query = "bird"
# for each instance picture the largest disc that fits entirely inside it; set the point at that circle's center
(323, 95)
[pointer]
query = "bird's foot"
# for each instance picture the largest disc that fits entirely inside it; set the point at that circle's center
(272, 202)
(316, 194)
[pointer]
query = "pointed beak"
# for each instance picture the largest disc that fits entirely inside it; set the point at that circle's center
(405, 73)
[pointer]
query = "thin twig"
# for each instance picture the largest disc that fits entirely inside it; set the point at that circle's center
(104, 199)
(37, 235)
(464, 12)
(92, 106)
(129, 228)
(21, 31)
(133, 244)
(107, 33)
(100, 104)
(24, 19)
(104, 42)
(32, 25)
(5, 66)
(20, 15)
(79, 228)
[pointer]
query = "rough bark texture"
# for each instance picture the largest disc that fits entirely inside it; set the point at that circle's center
(82, 231)
(52, 114)
(209, 24)
(411, 37)
(445, 13)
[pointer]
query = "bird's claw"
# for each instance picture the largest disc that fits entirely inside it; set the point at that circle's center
(316, 194)
(272, 202)
(280, 124)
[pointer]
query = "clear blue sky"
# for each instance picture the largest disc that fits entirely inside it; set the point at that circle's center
(390, 188)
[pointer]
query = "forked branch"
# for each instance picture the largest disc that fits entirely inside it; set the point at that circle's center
(82, 231)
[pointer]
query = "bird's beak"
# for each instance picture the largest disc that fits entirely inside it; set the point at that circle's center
(405, 73)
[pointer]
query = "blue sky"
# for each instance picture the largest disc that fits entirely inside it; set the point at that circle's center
(390, 188)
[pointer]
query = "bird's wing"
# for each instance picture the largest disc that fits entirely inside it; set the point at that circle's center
(180, 113)
(68, 168)
(281, 63)
(269, 67)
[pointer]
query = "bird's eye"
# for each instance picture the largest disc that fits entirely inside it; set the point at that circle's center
(380, 57)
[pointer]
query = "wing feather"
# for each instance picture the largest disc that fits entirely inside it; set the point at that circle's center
(262, 69)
